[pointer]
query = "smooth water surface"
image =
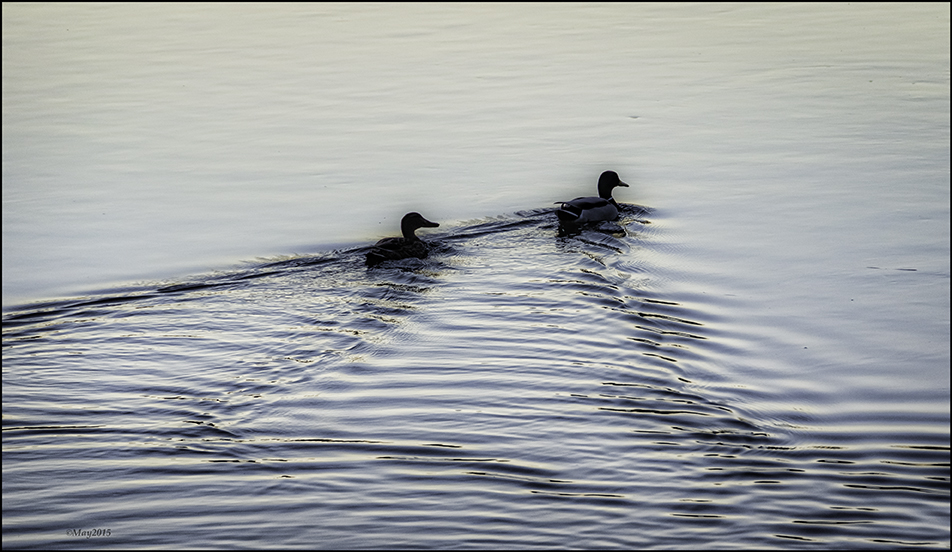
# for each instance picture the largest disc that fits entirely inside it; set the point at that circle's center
(754, 355)
(145, 141)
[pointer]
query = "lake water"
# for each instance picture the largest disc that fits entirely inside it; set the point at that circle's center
(755, 355)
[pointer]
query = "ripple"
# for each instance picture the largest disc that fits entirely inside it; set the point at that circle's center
(517, 384)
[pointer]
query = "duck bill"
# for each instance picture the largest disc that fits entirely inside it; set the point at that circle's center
(428, 224)
(622, 184)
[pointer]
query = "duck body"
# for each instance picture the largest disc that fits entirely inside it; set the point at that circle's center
(392, 249)
(594, 208)
(587, 209)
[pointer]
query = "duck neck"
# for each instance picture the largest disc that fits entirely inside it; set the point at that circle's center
(409, 232)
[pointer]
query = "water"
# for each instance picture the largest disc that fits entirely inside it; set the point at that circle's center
(516, 389)
(755, 355)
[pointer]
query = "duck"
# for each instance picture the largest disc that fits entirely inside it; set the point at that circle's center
(391, 249)
(592, 209)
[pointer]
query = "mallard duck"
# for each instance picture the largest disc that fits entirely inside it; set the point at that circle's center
(391, 249)
(592, 209)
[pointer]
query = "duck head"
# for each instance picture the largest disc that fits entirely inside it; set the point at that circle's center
(607, 182)
(412, 221)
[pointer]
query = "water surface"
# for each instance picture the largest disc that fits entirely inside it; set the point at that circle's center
(754, 355)
(516, 389)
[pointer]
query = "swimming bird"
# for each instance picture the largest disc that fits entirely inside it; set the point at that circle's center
(592, 209)
(391, 249)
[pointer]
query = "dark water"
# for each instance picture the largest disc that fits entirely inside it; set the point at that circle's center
(518, 389)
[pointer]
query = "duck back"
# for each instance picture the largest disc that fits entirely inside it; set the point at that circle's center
(392, 249)
(587, 209)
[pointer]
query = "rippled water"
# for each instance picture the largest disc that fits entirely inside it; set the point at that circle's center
(517, 389)
(756, 357)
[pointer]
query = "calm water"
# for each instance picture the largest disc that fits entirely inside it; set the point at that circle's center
(755, 355)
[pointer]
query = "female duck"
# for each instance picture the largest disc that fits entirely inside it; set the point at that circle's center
(391, 249)
(593, 209)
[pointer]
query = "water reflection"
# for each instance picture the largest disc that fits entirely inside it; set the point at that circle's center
(510, 369)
